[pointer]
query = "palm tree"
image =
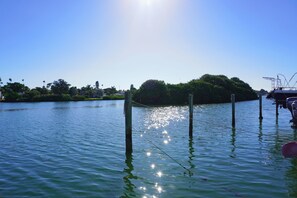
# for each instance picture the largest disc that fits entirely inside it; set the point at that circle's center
(97, 85)
(43, 83)
(10, 79)
(49, 85)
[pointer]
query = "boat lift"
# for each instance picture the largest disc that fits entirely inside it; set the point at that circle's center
(283, 93)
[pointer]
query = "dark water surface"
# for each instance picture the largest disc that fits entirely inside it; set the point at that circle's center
(77, 149)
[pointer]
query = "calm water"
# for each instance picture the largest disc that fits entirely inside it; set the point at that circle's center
(77, 149)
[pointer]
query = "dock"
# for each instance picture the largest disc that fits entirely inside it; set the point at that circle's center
(284, 94)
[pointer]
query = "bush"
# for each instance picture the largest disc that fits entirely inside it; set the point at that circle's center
(78, 98)
(207, 89)
(153, 92)
(113, 97)
(52, 98)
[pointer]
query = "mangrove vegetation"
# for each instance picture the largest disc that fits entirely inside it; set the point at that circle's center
(207, 89)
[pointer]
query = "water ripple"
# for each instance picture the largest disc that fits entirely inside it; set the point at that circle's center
(77, 149)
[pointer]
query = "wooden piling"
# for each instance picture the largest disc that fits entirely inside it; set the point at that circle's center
(128, 121)
(260, 107)
(276, 108)
(233, 109)
(191, 115)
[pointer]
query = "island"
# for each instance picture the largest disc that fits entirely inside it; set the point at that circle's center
(207, 89)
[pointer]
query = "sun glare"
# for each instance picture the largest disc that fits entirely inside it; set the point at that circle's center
(146, 2)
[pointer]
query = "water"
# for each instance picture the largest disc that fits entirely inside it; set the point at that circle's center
(77, 149)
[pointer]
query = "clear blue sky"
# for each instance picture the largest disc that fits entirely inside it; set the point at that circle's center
(123, 42)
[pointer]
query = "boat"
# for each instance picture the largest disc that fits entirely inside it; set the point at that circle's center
(284, 94)
(282, 89)
(280, 95)
(291, 104)
(294, 113)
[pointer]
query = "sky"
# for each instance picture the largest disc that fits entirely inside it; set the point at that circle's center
(124, 42)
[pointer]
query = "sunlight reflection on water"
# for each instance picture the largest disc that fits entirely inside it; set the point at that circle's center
(161, 117)
(76, 150)
(158, 119)
(165, 131)
(159, 174)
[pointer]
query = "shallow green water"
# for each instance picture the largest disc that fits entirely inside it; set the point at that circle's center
(77, 149)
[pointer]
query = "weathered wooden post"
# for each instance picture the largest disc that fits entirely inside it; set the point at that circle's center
(233, 109)
(191, 115)
(260, 107)
(276, 108)
(128, 121)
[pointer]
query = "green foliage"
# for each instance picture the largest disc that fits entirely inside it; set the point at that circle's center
(97, 93)
(78, 98)
(110, 91)
(153, 92)
(60, 97)
(178, 93)
(59, 90)
(113, 97)
(90, 92)
(207, 89)
(11, 96)
(60, 87)
(15, 87)
(87, 91)
(73, 91)
(42, 90)
(14, 91)
(33, 93)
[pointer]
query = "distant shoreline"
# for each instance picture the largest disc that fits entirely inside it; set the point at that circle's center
(71, 100)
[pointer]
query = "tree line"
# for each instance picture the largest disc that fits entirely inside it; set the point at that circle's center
(58, 90)
(207, 89)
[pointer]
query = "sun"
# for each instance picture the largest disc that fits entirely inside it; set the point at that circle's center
(147, 2)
